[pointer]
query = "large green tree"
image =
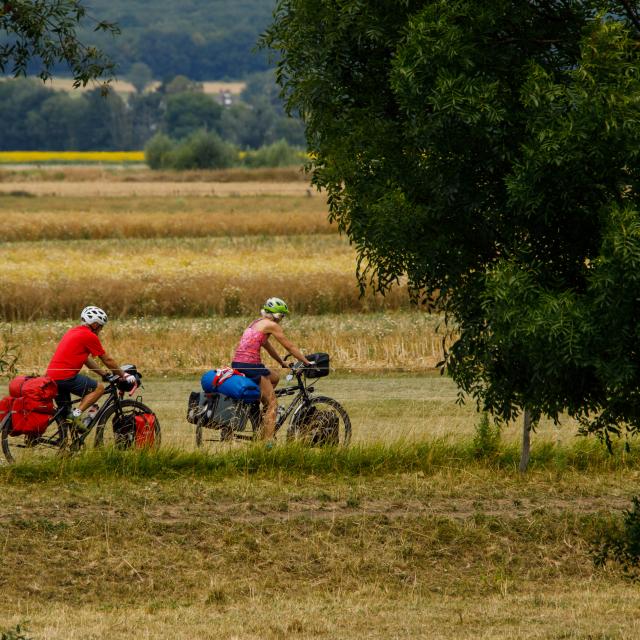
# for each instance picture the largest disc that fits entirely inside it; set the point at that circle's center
(488, 152)
(42, 33)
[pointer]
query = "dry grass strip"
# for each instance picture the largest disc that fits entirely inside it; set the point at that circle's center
(390, 341)
(52, 218)
(101, 189)
(142, 174)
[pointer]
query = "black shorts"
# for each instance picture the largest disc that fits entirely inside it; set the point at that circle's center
(79, 385)
(253, 371)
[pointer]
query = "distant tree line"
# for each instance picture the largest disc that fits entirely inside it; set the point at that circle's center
(196, 38)
(35, 117)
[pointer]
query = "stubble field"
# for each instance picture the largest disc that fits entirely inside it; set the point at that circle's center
(416, 531)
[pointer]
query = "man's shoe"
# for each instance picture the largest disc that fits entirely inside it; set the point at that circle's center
(76, 426)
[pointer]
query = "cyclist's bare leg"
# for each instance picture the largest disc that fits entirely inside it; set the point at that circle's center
(92, 397)
(274, 377)
(268, 398)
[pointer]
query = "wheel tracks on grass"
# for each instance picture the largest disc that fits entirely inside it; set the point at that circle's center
(318, 510)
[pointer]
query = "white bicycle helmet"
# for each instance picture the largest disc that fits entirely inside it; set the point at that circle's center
(90, 315)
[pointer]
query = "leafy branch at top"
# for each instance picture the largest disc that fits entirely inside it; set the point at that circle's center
(44, 32)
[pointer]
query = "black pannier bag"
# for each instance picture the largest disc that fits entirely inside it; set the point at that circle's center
(216, 411)
(321, 367)
(194, 406)
(319, 427)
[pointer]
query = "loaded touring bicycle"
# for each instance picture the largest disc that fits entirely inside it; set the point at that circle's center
(31, 426)
(316, 420)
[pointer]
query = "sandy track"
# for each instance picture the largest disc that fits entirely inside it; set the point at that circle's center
(242, 511)
(115, 189)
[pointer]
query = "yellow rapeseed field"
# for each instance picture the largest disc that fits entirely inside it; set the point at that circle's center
(35, 157)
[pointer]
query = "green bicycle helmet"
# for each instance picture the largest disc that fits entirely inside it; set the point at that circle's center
(276, 306)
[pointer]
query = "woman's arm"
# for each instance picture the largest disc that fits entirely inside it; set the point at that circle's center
(277, 332)
(270, 349)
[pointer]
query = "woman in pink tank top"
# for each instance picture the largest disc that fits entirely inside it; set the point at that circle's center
(247, 357)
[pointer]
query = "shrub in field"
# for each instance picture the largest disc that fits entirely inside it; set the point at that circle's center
(203, 150)
(17, 633)
(278, 154)
(158, 151)
(486, 440)
(620, 542)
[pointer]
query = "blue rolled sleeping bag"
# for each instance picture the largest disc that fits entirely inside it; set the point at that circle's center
(237, 386)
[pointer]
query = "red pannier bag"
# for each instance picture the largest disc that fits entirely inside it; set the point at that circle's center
(5, 407)
(145, 430)
(40, 387)
(32, 404)
(30, 416)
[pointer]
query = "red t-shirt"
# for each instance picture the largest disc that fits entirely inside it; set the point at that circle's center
(71, 355)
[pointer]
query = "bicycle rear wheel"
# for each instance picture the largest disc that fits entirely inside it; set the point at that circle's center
(117, 426)
(322, 421)
(208, 439)
(23, 448)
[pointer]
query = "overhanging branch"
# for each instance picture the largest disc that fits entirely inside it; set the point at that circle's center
(631, 13)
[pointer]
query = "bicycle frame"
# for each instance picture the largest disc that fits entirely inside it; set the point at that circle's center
(302, 393)
(54, 440)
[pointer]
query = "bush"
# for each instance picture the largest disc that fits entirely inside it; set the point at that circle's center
(278, 154)
(204, 150)
(620, 542)
(16, 633)
(158, 151)
(201, 150)
(486, 440)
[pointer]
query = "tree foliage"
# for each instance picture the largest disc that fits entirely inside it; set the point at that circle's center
(489, 153)
(44, 33)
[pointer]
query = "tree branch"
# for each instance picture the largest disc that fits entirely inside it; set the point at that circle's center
(631, 13)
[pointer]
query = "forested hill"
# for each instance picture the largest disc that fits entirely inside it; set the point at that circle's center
(201, 39)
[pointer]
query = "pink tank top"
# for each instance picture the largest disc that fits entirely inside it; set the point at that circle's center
(250, 344)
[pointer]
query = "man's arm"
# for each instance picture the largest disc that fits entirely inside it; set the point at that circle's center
(92, 365)
(112, 365)
(277, 332)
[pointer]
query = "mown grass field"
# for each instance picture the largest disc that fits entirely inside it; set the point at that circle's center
(416, 531)
(273, 547)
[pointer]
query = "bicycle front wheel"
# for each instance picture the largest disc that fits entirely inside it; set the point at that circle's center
(322, 421)
(117, 426)
(23, 448)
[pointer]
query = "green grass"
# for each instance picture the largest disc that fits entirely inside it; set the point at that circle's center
(294, 460)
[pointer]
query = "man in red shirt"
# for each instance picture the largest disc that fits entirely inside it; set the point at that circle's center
(77, 348)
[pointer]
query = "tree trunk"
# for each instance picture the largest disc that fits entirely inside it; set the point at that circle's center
(526, 441)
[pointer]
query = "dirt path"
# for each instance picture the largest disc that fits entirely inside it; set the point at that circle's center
(255, 512)
(119, 189)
